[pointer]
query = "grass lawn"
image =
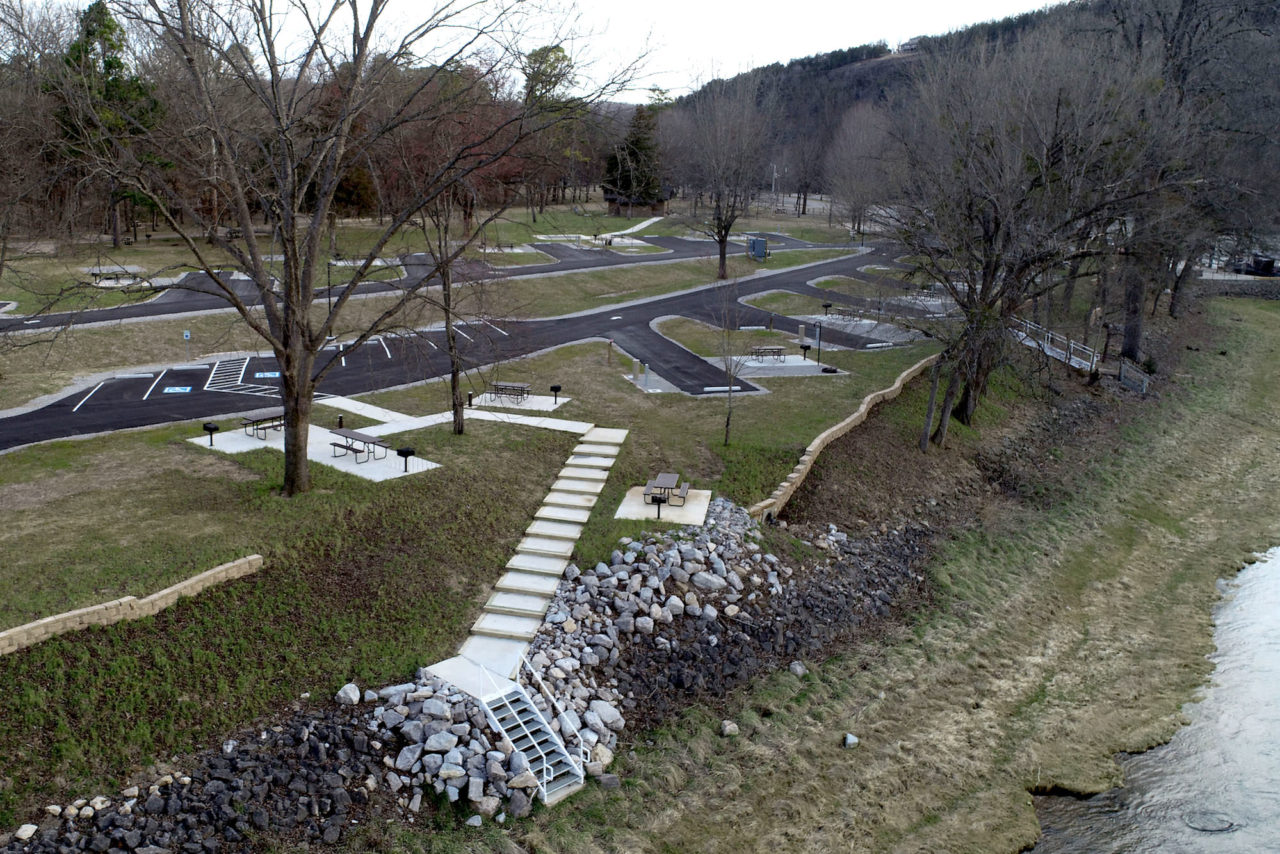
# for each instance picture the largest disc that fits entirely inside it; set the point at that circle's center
(793, 305)
(710, 342)
(363, 581)
(674, 432)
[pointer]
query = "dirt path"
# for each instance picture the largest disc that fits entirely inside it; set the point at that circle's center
(1065, 635)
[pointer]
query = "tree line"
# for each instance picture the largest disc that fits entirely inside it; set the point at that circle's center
(1111, 140)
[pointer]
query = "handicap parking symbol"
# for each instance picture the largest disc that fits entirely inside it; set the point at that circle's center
(267, 375)
(177, 389)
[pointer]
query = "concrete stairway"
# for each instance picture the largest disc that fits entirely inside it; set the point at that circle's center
(514, 613)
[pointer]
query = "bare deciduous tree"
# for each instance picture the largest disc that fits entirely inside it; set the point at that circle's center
(717, 142)
(268, 107)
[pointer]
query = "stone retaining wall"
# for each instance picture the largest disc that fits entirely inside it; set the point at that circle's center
(126, 608)
(773, 505)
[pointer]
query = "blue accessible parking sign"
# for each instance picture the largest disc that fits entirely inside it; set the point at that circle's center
(177, 389)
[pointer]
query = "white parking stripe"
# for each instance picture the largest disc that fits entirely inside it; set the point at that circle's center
(460, 332)
(87, 396)
(153, 385)
(504, 332)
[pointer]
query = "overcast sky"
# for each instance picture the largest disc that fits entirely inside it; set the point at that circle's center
(692, 41)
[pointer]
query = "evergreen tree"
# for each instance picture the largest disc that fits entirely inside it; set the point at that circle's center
(632, 172)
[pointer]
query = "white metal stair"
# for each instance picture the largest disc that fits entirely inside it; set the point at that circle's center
(514, 714)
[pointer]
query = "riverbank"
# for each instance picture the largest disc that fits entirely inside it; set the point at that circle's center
(1071, 620)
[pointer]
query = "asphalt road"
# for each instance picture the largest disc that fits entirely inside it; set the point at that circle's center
(238, 385)
(197, 292)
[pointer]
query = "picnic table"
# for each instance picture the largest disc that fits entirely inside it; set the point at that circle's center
(258, 425)
(769, 351)
(667, 488)
(357, 443)
(518, 392)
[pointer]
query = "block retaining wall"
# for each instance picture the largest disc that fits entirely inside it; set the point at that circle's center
(126, 608)
(773, 505)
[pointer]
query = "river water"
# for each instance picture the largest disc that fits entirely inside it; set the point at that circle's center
(1215, 787)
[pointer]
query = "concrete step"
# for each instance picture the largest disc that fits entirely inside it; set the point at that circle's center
(552, 547)
(604, 436)
(579, 473)
(557, 795)
(542, 564)
(507, 626)
(576, 500)
(586, 487)
(517, 604)
(563, 514)
(560, 530)
(531, 583)
(602, 450)
(473, 677)
(501, 655)
(590, 461)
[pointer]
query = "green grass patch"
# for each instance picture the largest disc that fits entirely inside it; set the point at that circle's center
(710, 342)
(362, 581)
(792, 305)
(675, 432)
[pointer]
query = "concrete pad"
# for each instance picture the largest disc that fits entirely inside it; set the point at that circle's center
(692, 512)
(517, 604)
(357, 407)
(576, 500)
(591, 461)
(561, 530)
(507, 626)
(473, 677)
(532, 403)
(404, 424)
(598, 450)
(552, 547)
(320, 451)
(528, 582)
(542, 564)
(605, 436)
(586, 487)
(499, 655)
(577, 473)
(540, 421)
(563, 514)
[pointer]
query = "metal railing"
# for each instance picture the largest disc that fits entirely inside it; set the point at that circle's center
(1056, 345)
(584, 756)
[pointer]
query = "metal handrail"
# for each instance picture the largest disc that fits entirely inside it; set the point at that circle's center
(493, 719)
(584, 755)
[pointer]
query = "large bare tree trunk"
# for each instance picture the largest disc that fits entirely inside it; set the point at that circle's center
(930, 409)
(722, 272)
(1134, 298)
(948, 401)
(297, 390)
